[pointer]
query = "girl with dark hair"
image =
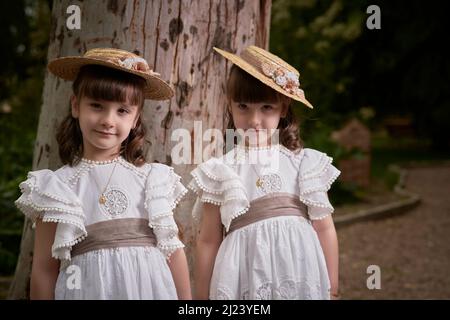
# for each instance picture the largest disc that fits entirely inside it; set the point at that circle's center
(104, 221)
(266, 230)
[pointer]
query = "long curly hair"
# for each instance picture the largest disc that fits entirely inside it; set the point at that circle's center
(102, 83)
(243, 87)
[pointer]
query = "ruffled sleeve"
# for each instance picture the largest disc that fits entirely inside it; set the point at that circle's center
(215, 182)
(162, 193)
(45, 196)
(316, 176)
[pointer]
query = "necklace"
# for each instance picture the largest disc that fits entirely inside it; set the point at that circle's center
(260, 178)
(102, 198)
(259, 181)
(268, 182)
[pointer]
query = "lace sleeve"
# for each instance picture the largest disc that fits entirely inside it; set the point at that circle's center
(315, 179)
(214, 182)
(45, 196)
(163, 192)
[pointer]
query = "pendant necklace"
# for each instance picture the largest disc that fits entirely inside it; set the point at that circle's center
(102, 198)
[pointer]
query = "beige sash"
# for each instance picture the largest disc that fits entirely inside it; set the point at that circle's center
(129, 232)
(269, 206)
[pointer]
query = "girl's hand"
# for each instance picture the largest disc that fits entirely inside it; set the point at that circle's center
(335, 295)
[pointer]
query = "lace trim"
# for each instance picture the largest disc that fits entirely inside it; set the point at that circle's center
(317, 170)
(325, 187)
(142, 172)
(70, 244)
(206, 171)
(235, 215)
(315, 203)
(219, 197)
(35, 188)
(171, 205)
(100, 162)
(291, 154)
(171, 174)
(178, 198)
(170, 191)
(206, 196)
(236, 186)
(240, 147)
(84, 169)
(57, 253)
(211, 201)
(288, 289)
(168, 250)
(163, 215)
(162, 226)
(194, 186)
(204, 187)
(60, 220)
(172, 199)
(166, 231)
(321, 217)
(25, 205)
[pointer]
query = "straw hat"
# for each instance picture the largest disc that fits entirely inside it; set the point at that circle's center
(67, 68)
(270, 70)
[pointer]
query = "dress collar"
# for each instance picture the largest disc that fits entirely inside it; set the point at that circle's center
(94, 162)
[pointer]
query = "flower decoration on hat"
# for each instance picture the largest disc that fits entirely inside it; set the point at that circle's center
(137, 64)
(286, 79)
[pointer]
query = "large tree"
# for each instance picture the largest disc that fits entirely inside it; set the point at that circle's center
(177, 38)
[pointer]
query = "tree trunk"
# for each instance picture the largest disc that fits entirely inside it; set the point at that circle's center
(176, 38)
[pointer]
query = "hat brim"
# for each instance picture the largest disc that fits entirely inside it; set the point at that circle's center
(67, 68)
(247, 67)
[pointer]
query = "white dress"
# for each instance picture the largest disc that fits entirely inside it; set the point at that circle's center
(70, 197)
(279, 257)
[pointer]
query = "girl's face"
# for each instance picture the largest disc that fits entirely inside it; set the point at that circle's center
(104, 125)
(258, 119)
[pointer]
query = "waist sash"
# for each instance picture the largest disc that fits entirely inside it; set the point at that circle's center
(128, 232)
(270, 206)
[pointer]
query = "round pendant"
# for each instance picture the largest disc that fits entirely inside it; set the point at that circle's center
(259, 183)
(115, 202)
(102, 199)
(269, 183)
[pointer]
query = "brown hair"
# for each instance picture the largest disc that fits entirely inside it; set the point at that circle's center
(102, 83)
(243, 87)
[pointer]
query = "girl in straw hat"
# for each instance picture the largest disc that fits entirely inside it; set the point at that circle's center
(104, 221)
(268, 195)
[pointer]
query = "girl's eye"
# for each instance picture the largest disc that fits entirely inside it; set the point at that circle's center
(242, 106)
(267, 107)
(124, 111)
(95, 105)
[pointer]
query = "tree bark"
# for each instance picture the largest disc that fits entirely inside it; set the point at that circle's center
(176, 38)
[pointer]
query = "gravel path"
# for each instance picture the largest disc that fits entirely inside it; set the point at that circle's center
(412, 250)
